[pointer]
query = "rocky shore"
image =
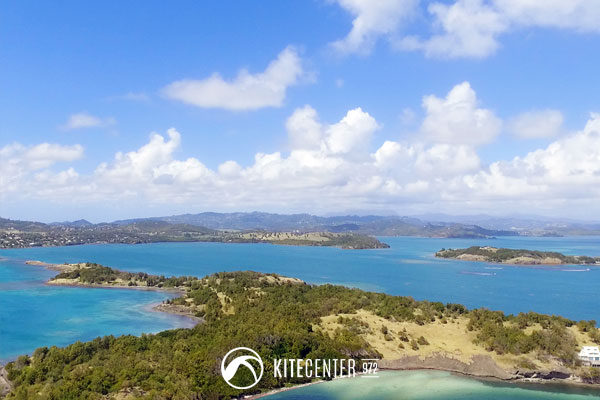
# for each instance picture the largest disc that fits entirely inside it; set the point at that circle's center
(56, 267)
(481, 366)
(5, 385)
(184, 311)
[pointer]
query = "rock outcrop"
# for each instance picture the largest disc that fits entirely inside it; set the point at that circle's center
(480, 365)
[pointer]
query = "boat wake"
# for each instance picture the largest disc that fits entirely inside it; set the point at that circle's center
(478, 273)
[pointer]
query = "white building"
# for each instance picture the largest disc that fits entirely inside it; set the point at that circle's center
(590, 355)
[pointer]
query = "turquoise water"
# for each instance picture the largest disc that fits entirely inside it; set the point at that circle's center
(421, 385)
(32, 314)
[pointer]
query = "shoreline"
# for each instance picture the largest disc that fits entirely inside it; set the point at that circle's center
(315, 243)
(52, 266)
(517, 257)
(174, 310)
(71, 266)
(522, 382)
(519, 264)
(101, 286)
(156, 308)
(557, 383)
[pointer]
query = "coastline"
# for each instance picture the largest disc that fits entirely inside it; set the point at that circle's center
(175, 310)
(532, 264)
(5, 384)
(73, 283)
(516, 381)
(102, 286)
(53, 266)
(373, 243)
(516, 257)
(508, 380)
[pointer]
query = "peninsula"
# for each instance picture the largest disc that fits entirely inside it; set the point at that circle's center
(286, 317)
(515, 256)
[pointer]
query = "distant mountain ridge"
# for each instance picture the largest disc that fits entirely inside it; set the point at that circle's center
(368, 225)
(527, 225)
(79, 223)
(428, 225)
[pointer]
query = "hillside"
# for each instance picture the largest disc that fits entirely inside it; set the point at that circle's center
(368, 225)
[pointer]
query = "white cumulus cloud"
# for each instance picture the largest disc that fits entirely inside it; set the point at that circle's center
(568, 169)
(456, 119)
(468, 29)
(19, 162)
(577, 15)
(247, 91)
(372, 19)
(472, 28)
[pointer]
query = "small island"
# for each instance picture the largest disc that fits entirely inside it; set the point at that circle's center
(515, 256)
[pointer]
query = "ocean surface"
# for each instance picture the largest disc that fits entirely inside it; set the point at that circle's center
(33, 314)
(431, 385)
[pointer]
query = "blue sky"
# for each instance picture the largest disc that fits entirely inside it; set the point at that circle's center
(83, 81)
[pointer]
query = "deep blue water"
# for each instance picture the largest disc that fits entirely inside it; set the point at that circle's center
(32, 314)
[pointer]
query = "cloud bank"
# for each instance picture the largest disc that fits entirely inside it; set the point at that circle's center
(331, 166)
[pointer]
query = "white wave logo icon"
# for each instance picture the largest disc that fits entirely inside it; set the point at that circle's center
(228, 371)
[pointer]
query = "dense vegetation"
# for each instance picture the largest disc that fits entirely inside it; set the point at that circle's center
(278, 317)
(502, 334)
(493, 254)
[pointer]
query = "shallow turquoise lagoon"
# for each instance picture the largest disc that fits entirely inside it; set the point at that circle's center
(431, 385)
(33, 315)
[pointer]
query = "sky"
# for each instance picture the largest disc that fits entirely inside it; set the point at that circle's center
(114, 110)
